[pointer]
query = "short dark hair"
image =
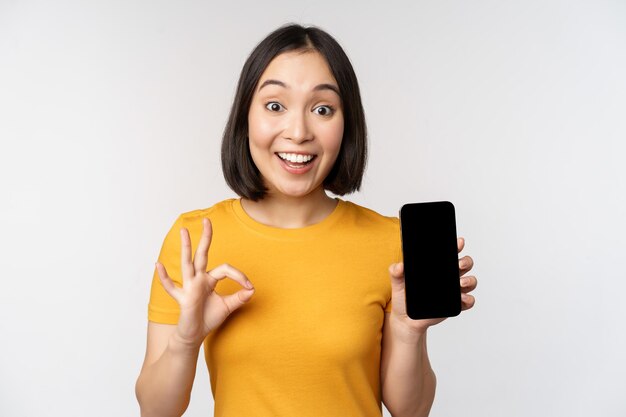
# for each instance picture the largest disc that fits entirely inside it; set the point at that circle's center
(346, 175)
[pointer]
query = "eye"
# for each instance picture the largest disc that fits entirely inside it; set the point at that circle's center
(274, 106)
(324, 110)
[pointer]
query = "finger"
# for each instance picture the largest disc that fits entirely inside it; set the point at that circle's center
(227, 271)
(236, 300)
(460, 243)
(396, 271)
(468, 284)
(185, 255)
(467, 301)
(167, 282)
(200, 259)
(466, 263)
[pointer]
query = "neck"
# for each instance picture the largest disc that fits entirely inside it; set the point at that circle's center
(288, 212)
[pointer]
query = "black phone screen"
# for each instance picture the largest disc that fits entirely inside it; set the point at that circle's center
(431, 265)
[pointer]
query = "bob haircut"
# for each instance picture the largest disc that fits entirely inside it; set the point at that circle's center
(240, 172)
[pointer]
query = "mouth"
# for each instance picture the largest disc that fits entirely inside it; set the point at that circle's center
(296, 160)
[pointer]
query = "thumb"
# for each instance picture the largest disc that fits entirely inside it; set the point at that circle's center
(236, 300)
(396, 272)
(167, 282)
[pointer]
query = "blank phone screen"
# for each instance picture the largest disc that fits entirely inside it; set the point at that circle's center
(431, 265)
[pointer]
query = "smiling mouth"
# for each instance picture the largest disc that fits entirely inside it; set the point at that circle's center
(296, 160)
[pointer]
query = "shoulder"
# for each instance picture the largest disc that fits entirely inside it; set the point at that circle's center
(216, 212)
(364, 216)
(372, 229)
(365, 222)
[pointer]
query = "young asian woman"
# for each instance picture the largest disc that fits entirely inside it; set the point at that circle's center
(296, 296)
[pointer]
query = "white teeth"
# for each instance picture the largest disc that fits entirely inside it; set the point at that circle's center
(297, 158)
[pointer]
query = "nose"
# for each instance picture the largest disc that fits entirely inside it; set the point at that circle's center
(297, 129)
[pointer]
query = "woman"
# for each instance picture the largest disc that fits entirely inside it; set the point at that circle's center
(317, 329)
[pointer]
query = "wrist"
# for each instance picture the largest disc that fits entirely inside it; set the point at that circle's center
(179, 346)
(407, 334)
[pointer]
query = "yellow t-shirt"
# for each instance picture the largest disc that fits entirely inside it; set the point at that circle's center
(308, 343)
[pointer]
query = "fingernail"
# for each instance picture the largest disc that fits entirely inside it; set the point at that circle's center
(464, 282)
(249, 285)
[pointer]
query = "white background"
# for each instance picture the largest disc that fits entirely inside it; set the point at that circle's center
(111, 116)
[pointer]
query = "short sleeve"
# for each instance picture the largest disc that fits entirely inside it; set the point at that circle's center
(162, 308)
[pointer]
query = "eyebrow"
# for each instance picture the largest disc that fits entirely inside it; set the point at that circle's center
(319, 87)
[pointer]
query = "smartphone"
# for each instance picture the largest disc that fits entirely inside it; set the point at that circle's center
(431, 263)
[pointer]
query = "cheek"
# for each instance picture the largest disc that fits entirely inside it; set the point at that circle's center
(333, 134)
(260, 130)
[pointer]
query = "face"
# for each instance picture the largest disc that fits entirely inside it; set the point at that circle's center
(295, 123)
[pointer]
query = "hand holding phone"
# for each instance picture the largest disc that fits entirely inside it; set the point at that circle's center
(431, 265)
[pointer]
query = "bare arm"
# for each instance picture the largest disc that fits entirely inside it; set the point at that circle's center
(408, 381)
(164, 384)
(407, 378)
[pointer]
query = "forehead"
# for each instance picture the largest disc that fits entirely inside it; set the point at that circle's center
(299, 68)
